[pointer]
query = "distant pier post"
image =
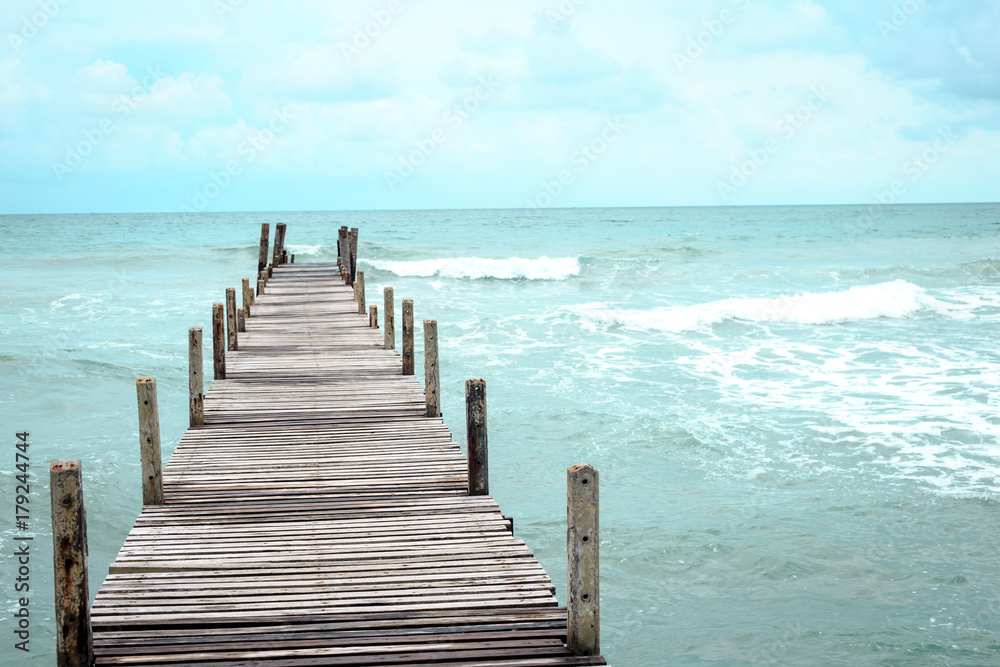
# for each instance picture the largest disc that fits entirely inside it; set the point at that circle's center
(279, 244)
(475, 437)
(408, 362)
(344, 245)
(247, 297)
(432, 376)
(361, 292)
(390, 324)
(219, 341)
(583, 567)
(354, 254)
(373, 317)
(265, 232)
(149, 442)
(196, 383)
(231, 318)
(74, 641)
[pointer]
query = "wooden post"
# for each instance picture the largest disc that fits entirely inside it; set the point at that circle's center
(74, 642)
(361, 292)
(293, 258)
(231, 318)
(432, 376)
(583, 628)
(373, 317)
(279, 244)
(344, 245)
(149, 442)
(219, 341)
(241, 320)
(265, 232)
(247, 297)
(196, 383)
(270, 271)
(475, 437)
(354, 254)
(408, 365)
(260, 288)
(390, 324)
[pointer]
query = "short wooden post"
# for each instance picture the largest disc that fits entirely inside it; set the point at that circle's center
(293, 258)
(149, 442)
(354, 254)
(432, 376)
(265, 232)
(361, 292)
(279, 244)
(373, 317)
(390, 324)
(241, 320)
(219, 341)
(231, 318)
(270, 271)
(196, 383)
(583, 628)
(247, 297)
(344, 245)
(260, 287)
(74, 642)
(408, 364)
(475, 437)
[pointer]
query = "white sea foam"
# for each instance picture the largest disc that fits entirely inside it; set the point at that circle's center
(514, 268)
(894, 299)
(310, 250)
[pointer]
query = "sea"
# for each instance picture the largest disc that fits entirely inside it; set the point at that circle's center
(794, 411)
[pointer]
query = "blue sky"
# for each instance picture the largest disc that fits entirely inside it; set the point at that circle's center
(229, 105)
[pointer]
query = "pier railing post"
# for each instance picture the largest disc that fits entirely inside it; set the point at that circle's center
(247, 297)
(231, 318)
(74, 641)
(475, 437)
(149, 442)
(390, 323)
(241, 320)
(373, 317)
(265, 232)
(260, 288)
(219, 341)
(432, 376)
(354, 254)
(344, 244)
(583, 628)
(279, 244)
(361, 292)
(408, 363)
(196, 383)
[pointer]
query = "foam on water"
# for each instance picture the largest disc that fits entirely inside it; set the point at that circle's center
(514, 268)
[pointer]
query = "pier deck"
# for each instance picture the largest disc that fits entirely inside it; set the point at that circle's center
(320, 518)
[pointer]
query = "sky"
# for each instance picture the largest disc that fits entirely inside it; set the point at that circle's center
(240, 105)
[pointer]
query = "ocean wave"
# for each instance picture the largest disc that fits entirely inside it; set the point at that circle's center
(514, 268)
(894, 299)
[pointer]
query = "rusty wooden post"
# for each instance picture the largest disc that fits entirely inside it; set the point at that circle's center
(373, 317)
(432, 376)
(354, 254)
(231, 318)
(361, 292)
(74, 642)
(408, 364)
(260, 288)
(279, 244)
(390, 324)
(583, 628)
(247, 297)
(196, 383)
(219, 341)
(149, 442)
(265, 232)
(475, 437)
(241, 320)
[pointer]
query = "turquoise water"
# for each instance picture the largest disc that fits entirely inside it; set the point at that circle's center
(793, 409)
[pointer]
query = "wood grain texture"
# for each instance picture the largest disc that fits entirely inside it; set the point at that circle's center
(319, 517)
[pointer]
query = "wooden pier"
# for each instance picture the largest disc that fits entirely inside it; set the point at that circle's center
(315, 515)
